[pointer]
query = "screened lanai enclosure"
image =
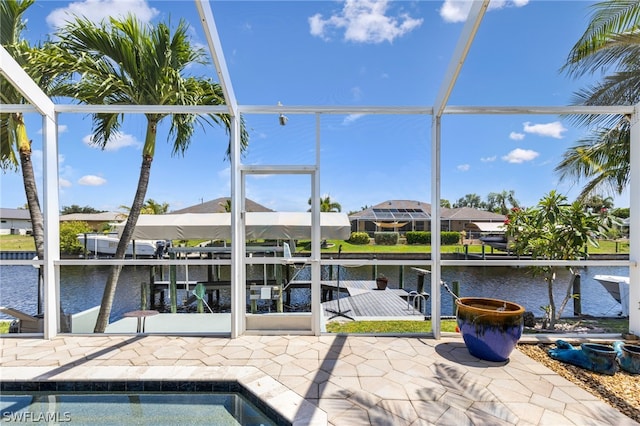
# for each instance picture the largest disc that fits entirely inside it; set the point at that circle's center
(303, 145)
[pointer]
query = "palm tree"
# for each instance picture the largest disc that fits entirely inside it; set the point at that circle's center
(326, 205)
(469, 200)
(15, 145)
(597, 203)
(226, 205)
(149, 207)
(611, 41)
(125, 62)
(497, 201)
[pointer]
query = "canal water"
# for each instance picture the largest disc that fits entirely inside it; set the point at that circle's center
(81, 287)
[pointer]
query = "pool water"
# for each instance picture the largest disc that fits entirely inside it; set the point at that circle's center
(107, 403)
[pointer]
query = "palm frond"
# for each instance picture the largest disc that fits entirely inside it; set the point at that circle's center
(613, 23)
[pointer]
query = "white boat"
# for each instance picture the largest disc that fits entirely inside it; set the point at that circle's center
(106, 245)
(618, 288)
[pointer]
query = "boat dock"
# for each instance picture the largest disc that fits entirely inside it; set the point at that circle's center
(363, 298)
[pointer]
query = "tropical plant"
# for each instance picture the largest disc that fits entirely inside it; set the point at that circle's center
(611, 41)
(74, 208)
(149, 207)
(226, 205)
(469, 200)
(124, 62)
(497, 201)
(326, 205)
(597, 203)
(554, 230)
(15, 145)
(69, 231)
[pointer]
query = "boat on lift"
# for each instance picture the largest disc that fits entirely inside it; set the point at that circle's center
(618, 288)
(98, 244)
(497, 241)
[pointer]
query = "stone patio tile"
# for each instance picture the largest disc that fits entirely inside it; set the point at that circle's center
(525, 412)
(541, 387)
(400, 408)
(552, 418)
(353, 416)
(548, 403)
(340, 368)
(308, 363)
(454, 416)
(424, 390)
(456, 400)
(497, 410)
(510, 391)
(430, 411)
(383, 388)
(293, 370)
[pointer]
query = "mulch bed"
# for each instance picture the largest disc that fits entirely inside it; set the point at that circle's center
(621, 391)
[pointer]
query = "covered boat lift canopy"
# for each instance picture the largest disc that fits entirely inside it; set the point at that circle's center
(493, 227)
(259, 225)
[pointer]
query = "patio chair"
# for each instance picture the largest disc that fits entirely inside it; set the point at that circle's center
(24, 323)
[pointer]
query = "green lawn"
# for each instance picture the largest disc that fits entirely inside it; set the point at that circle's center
(388, 326)
(607, 325)
(26, 243)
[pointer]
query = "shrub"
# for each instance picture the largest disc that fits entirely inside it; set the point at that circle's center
(359, 238)
(418, 237)
(386, 238)
(69, 231)
(448, 238)
(424, 237)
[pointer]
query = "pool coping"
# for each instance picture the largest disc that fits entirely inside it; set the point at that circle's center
(264, 391)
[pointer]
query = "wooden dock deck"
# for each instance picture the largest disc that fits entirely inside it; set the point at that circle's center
(367, 302)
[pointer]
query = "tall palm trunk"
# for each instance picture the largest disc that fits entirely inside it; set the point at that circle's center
(31, 192)
(138, 201)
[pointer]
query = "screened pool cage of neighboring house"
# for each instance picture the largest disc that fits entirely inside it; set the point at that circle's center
(240, 321)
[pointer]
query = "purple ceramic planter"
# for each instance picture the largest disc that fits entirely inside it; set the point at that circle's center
(491, 328)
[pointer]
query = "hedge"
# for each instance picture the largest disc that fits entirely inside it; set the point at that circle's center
(424, 237)
(386, 238)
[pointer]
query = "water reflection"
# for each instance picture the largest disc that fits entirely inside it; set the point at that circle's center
(81, 287)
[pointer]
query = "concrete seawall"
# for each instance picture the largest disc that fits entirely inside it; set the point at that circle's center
(17, 255)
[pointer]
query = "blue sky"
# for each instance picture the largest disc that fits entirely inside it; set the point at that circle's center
(354, 53)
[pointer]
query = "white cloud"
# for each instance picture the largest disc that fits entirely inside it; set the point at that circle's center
(97, 10)
(364, 21)
(62, 128)
(520, 155)
(92, 180)
(351, 118)
(117, 141)
(463, 167)
(64, 183)
(488, 159)
(356, 92)
(516, 136)
(458, 10)
(553, 130)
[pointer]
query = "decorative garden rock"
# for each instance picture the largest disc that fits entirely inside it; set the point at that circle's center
(491, 328)
(628, 356)
(591, 356)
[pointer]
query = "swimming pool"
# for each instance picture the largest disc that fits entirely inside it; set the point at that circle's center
(134, 403)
